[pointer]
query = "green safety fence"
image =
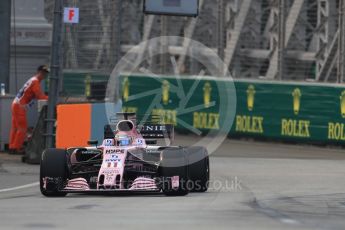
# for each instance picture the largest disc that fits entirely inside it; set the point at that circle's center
(281, 111)
(78, 83)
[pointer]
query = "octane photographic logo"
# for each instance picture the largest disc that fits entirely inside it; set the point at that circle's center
(222, 109)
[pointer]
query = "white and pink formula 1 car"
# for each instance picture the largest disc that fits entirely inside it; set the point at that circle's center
(128, 161)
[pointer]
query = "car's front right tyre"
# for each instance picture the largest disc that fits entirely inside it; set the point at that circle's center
(53, 172)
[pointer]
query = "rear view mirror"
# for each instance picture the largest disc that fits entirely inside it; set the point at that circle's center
(92, 142)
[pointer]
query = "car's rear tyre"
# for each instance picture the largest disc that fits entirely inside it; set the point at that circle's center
(174, 162)
(199, 168)
(53, 172)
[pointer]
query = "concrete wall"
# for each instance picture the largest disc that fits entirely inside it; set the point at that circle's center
(30, 41)
(5, 120)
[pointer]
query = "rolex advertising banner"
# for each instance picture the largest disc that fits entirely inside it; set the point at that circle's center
(272, 110)
(190, 105)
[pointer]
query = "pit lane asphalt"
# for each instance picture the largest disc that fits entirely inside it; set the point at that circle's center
(253, 186)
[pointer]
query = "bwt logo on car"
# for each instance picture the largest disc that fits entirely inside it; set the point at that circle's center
(111, 151)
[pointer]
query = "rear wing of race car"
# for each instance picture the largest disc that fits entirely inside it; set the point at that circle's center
(154, 129)
(148, 131)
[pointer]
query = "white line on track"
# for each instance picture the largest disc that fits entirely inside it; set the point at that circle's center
(288, 221)
(19, 187)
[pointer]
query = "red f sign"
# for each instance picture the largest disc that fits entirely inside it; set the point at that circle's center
(71, 15)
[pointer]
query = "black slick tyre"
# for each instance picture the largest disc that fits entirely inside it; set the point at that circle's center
(53, 172)
(174, 162)
(199, 168)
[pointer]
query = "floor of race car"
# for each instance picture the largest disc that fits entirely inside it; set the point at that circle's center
(259, 186)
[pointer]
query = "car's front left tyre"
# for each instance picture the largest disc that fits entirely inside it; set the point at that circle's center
(199, 168)
(174, 164)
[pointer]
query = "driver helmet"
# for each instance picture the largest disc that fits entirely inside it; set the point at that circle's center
(123, 140)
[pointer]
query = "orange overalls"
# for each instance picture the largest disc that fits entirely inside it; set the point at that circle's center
(31, 90)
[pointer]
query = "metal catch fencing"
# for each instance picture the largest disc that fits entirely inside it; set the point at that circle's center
(290, 40)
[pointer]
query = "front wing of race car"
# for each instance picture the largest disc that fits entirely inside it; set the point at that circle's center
(140, 185)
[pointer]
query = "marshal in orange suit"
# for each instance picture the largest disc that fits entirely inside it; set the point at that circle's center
(30, 91)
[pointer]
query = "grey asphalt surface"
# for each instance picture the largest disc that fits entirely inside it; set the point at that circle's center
(253, 186)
